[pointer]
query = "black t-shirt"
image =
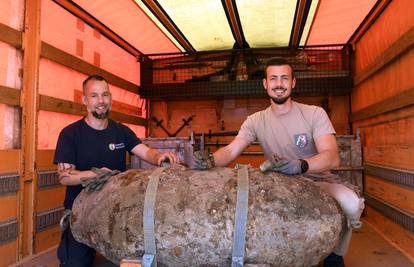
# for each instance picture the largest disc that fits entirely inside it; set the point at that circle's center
(85, 147)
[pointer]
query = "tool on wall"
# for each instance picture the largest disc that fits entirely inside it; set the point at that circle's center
(186, 122)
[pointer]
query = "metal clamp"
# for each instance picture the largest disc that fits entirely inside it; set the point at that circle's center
(65, 220)
(150, 257)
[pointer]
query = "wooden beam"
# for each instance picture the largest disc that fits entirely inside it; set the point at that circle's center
(52, 53)
(49, 103)
(301, 14)
(29, 102)
(230, 7)
(10, 36)
(396, 50)
(97, 25)
(9, 96)
(162, 16)
(368, 21)
(400, 196)
(401, 100)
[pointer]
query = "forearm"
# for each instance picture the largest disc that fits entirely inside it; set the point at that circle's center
(227, 154)
(152, 156)
(74, 177)
(323, 161)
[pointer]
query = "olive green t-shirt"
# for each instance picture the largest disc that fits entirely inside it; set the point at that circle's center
(289, 135)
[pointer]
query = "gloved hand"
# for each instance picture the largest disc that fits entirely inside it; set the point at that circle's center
(288, 166)
(203, 161)
(97, 182)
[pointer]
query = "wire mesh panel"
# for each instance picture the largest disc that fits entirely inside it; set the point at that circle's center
(318, 69)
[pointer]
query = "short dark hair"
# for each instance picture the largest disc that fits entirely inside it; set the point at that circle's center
(94, 77)
(277, 61)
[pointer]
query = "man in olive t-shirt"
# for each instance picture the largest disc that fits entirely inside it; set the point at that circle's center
(302, 138)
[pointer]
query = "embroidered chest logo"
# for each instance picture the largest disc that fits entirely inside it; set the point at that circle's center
(301, 140)
(113, 146)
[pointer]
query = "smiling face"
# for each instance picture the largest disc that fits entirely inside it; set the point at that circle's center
(97, 99)
(279, 83)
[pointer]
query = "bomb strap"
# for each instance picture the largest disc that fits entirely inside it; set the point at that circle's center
(149, 259)
(239, 237)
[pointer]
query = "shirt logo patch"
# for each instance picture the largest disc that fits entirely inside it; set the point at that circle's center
(113, 146)
(301, 140)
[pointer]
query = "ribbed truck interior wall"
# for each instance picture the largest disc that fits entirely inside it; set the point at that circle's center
(382, 107)
(31, 198)
(11, 17)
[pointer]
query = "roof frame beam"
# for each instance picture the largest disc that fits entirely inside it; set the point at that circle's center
(168, 23)
(301, 15)
(368, 21)
(232, 14)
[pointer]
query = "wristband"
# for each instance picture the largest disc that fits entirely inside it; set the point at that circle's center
(304, 165)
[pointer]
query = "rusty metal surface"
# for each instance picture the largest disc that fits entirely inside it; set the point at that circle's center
(291, 222)
(183, 146)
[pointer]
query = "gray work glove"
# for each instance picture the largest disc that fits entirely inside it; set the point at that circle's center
(288, 166)
(97, 182)
(203, 161)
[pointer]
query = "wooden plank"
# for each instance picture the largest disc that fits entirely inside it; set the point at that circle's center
(401, 100)
(400, 197)
(52, 53)
(53, 104)
(45, 160)
(116, 105)
(9, 253)
(10, 36)
(46, 239)
(397, 49)
(8, 204)
(10, 161)
(30, 101)
(50, 198)
(9, 96)
(397, 156)
(49, 103)
(392, 232)
(385, 118)
(98, 26)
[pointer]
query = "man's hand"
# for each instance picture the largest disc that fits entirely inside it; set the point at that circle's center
(95, 183)
(203, 161)
(170, 157)
(288, 166)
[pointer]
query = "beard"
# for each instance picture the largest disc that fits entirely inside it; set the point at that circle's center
(101, 116)
(279, 100)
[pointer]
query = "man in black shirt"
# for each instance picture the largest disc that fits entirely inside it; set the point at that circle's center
(94, 141)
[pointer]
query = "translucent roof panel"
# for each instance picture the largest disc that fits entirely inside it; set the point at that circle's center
(203, 22)
(268, 23)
